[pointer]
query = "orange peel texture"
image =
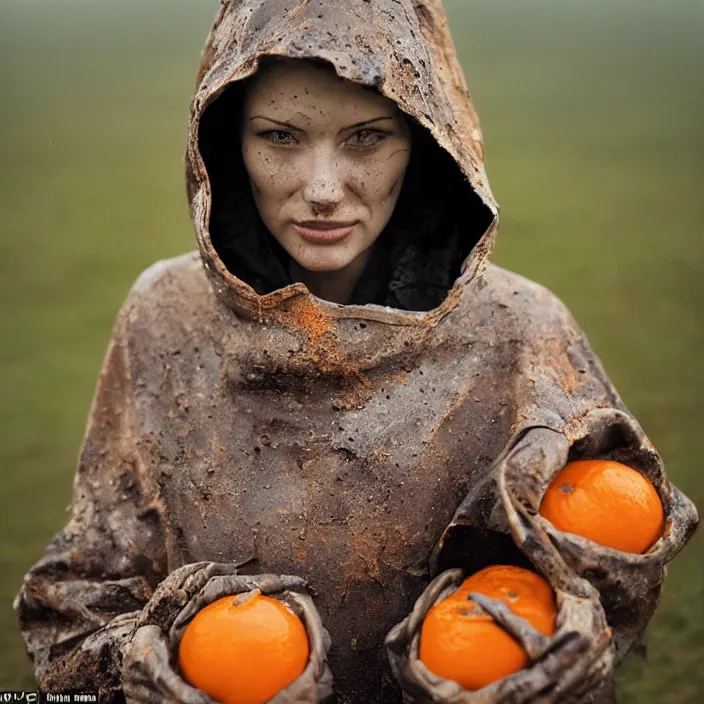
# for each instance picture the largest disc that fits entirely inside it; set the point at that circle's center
(607, 502)
(243, 651)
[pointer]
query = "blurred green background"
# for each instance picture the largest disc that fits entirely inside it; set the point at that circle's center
(593, 114)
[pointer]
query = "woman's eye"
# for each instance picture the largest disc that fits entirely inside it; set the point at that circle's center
(366, 138)
(279, 137)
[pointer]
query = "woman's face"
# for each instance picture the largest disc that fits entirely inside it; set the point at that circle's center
(326, 160)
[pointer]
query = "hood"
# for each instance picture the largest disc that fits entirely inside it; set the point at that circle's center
(444, 223)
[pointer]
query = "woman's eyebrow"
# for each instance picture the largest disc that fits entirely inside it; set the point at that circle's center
(344, 129)
(276, 122)
(368, 122)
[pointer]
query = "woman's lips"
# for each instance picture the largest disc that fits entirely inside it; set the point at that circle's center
(323, 232)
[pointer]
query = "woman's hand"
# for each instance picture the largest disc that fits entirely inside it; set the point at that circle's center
(572, 665)
(148, 673)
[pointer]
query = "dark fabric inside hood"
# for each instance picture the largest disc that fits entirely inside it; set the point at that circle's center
(441, 230)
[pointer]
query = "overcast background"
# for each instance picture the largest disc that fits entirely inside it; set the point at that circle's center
(593, 114)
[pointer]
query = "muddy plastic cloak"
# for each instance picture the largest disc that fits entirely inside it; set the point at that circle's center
(366, 448)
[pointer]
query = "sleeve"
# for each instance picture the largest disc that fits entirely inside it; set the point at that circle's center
(78, 603)
(570, 410)
(567, 410)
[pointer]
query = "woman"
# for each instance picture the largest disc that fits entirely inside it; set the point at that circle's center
(338, 386)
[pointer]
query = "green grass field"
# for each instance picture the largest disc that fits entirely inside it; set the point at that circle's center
(593, 114)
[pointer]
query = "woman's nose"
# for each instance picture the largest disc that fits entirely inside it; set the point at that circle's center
(325, 188)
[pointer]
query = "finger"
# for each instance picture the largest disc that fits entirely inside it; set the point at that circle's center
(137, 680)
(169, 594)
(539, 681)
(140, 693)
(568, 650)
(433, 591)
(142, 642)
(534, 461)
(176, 590)
(216, 588)
(588, 673)
(222, 585)
(533, 642)
(266, 583)
(148, 670)
(180, 576)
(197, 580)
(521, 483)
(568, 654)
(316, 683)
(318, 637)
(171, 685)
(158, 665)
(602, 690)
(293, 583)
(533, 541)
(273, 583)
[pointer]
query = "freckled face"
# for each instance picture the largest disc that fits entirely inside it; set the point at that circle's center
(326, 161)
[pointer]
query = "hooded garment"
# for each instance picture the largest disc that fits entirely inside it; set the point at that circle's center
(364, 447)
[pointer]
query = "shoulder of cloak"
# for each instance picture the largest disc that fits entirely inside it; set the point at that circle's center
(515, 307)
(553, 357)
(169, 294)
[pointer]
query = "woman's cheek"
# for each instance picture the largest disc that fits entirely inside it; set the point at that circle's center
(381, 180)
(272, 175)
(386, 174)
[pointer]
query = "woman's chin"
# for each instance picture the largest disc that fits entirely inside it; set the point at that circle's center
(325, 262)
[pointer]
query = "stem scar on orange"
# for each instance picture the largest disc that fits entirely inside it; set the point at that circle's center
(243, 650)
(607, 502)
(460, 642)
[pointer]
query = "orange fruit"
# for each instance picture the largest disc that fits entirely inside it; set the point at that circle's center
(460, 642)
(607, 502)
(243, 651)
(510, 583)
